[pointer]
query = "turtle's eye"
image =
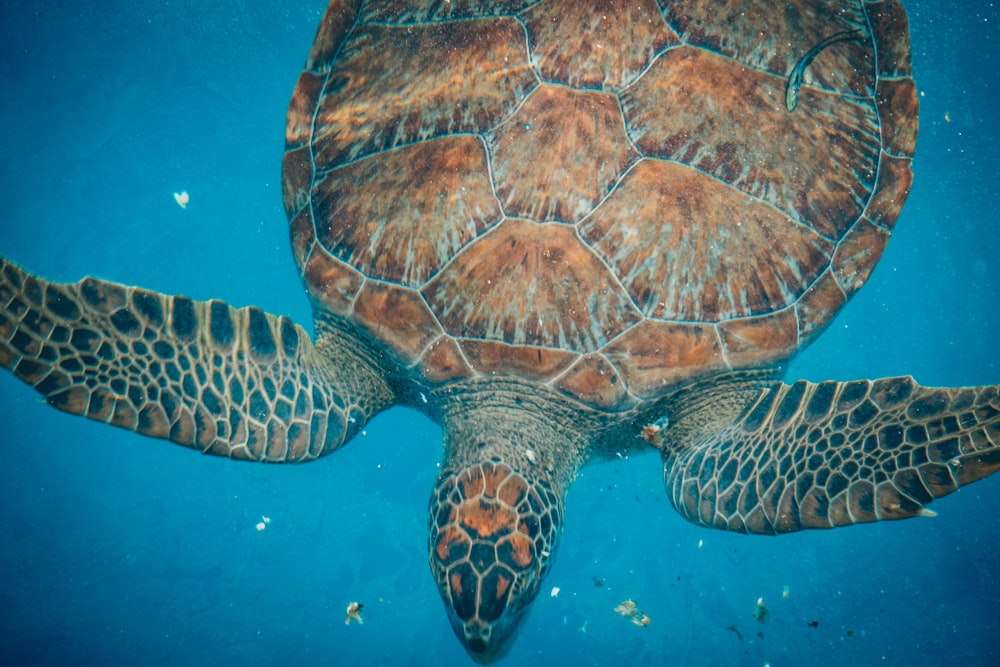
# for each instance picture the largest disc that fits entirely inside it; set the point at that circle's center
(492, 532)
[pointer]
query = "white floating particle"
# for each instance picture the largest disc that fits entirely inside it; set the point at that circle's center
(554, 592)
(182, 198)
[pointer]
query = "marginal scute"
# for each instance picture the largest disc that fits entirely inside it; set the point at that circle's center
(336, 21)
(653, 355)
(443, 361)
(302, 231)
(296, 179)
(536, 363)
(298, 126)
(594, 380)
(760, 341)
(891, 31)
(897, 107)
(331, 282)
(818, 306)
(857, 254)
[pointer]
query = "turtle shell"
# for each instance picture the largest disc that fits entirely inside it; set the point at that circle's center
(607, 197)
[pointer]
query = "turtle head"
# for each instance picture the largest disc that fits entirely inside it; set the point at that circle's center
(492, 532)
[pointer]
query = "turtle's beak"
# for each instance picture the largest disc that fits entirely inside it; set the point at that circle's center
(486, 642)
(493, 530)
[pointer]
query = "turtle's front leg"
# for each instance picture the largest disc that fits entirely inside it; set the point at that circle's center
(836, 453)
(232, 382)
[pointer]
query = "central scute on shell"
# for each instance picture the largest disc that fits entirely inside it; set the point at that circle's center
(608, 199)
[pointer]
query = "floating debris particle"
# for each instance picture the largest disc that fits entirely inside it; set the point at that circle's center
(354, 612)
(628, 609)
(813, 624)
(760, 612)
(182, 198)
(785, 592)
(641, 620)
(262, 524)
(554, 592)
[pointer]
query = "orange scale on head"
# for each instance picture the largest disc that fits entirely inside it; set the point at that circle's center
(485, 518)
(470, 482)
(503, 583)
(456, 583)
(512, 490)
(452, 544)
(494, 476)
(517, 551)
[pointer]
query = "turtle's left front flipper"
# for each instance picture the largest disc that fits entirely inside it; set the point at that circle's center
(831, 454)
(232, 382)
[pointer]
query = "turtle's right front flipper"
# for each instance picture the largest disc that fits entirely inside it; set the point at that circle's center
(823, 455)
(232, 382)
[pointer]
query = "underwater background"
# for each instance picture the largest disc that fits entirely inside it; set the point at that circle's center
(116, 549)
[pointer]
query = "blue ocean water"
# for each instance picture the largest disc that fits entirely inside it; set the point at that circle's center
(118, 550)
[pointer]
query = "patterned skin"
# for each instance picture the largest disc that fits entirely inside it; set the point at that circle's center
(492, 533)
(564, 239)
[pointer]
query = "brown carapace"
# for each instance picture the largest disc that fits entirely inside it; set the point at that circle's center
(560, 229)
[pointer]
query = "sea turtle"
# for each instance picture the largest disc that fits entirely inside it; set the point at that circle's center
(561, 230)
